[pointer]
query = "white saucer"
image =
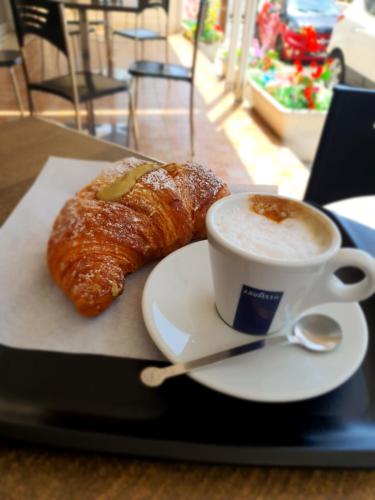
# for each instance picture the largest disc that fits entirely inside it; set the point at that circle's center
(179, 312)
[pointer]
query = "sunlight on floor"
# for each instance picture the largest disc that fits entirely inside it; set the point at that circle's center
(266, 160)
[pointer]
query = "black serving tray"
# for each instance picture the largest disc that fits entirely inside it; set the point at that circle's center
(97, 403)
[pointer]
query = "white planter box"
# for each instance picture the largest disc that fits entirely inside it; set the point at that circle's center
(300, 130)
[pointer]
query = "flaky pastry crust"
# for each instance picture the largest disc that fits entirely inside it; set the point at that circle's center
(94, 244)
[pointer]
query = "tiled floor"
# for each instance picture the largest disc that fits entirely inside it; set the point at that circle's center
(230, 138)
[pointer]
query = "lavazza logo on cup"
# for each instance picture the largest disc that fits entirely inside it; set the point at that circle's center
(273, 257)
(256, 308)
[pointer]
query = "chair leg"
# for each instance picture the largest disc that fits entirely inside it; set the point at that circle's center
(108, 36)
(30, 101)
(166, 51)
(16, 90)
(27, 81)
(136, 92)
(91, 117)
(191, 113)
(136, 39)
(166, 38)
(98, 50)
(78, 117)
(43, 59)
(76, 51)
(132, 121)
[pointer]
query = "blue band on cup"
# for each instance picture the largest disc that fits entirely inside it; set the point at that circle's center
(256, 310)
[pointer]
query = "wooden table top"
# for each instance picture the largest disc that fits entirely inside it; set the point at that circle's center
(25, 146)
(28, 472)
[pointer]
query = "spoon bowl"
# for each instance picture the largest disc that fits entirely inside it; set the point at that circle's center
(317, 332)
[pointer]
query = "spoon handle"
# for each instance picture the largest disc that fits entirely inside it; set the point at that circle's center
(153, 376)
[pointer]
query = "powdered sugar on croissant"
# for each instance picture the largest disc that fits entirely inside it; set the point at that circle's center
(94, 244)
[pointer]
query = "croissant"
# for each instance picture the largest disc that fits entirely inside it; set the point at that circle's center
(95, 243)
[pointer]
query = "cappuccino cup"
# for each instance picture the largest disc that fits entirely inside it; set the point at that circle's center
(273, 257)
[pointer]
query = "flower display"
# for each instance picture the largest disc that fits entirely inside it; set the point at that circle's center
(294, 86)
(310, 37)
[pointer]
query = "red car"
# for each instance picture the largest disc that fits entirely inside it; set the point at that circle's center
(297, 29)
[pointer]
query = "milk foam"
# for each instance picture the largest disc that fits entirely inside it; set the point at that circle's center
(300, 236)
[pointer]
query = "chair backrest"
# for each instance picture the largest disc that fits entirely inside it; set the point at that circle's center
(43, 18)
(149, 4)
(202, 13)
(156, 4)
(344, 165)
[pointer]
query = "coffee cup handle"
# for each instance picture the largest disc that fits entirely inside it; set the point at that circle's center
(330, 289)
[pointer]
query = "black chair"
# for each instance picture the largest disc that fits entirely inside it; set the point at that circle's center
(344, 165)
(141, 34)
(9, 59)
(46, 20)
(75, 33)
(154, 69)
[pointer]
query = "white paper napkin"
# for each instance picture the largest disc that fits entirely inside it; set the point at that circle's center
(34, 313)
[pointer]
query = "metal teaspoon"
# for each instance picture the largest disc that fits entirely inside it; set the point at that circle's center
(314, 332)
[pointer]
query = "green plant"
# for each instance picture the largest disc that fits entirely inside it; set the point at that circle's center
(211, 31)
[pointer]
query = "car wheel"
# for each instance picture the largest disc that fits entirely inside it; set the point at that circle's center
(337, 67)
